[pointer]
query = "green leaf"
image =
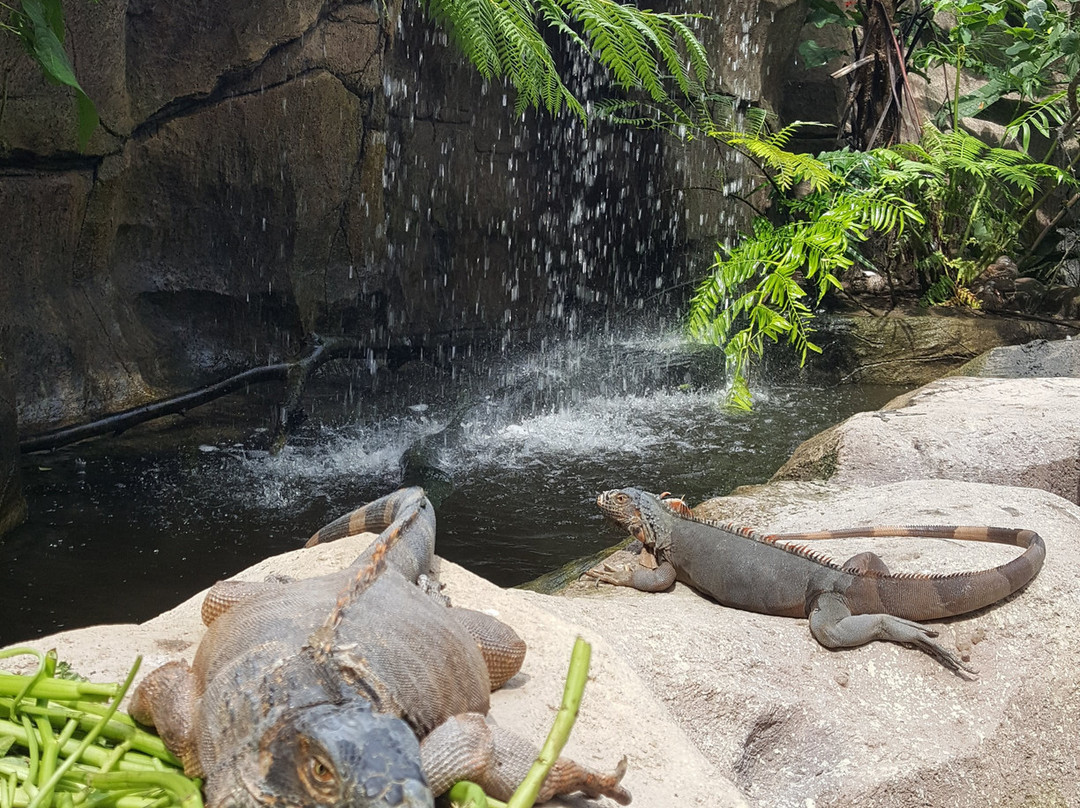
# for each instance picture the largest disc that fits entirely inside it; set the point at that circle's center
(45, 45)
(41, 28)
(88, 119)
(1035, 15)
(815, 55)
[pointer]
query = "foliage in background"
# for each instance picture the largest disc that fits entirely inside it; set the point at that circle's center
(1025, 52)
(843, 208)
(972, 201)
(39, 26)
(974, 198)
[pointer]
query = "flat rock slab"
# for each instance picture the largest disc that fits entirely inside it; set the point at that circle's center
(880, 726)
(1004, 431)
(619, 715)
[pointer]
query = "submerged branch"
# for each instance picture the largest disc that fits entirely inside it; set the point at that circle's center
(294, 373)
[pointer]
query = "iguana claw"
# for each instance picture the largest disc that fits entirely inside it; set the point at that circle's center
(616, 576)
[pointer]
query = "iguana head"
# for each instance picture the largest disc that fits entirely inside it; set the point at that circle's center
(644, 515)
(334, 755)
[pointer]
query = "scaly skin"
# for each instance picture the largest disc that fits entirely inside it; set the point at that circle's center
(356, 688)
(847, 604)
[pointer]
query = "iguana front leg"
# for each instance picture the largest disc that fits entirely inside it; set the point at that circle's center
(165, 700)
(636, 576)
(834, 626)
(466, 747)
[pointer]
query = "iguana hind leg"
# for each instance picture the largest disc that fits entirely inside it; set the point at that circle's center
(867, 562)
(834, 626)
(466, 747)
(225, 594)
(503, 650)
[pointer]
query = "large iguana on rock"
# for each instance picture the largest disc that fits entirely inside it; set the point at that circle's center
(848, 604)
(356, 688)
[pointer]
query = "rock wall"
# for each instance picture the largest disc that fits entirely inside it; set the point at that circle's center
(322, 167)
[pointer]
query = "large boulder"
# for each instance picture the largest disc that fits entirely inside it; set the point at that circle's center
(1004, 431)
(619, 715)
(880, 726)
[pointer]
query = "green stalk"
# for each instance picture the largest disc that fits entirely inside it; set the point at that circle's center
(465, 794)
(525, 795)
(32, 746)
(120, 729)
(185, 792)
(960, 53)
(55, 689)
(90, 737)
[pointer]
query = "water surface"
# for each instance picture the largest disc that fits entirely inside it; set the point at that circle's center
(122, 529)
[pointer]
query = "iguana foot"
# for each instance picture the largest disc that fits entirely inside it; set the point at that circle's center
(607, 574)
(636, 576)
(466, 747)
(224, 595)
(834, 626)
(503, 650)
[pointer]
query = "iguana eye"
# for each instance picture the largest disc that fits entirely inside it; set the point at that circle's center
(321, 771)
(622, 499)
(317, 774)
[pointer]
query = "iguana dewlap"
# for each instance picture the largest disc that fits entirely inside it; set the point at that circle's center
(847, 604)
(356, 688)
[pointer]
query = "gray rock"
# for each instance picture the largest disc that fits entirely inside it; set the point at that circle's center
(880, 726)
(1004, 431)
(1039, 358)
(332, 167)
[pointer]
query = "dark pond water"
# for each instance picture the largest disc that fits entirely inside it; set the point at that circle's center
(122, 529)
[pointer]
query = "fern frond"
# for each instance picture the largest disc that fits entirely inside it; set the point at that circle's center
(641, 49)
(789, 168)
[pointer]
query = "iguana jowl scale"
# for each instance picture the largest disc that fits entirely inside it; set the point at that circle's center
(356, 688)
(847, 604)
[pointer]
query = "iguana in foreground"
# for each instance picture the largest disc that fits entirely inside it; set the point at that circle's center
(848, 604)
(356, 688)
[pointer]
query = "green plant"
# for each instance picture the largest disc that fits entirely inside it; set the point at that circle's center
(63, 743)
(836, 209)
(1025, 51)
(973, 197)
(755, 290)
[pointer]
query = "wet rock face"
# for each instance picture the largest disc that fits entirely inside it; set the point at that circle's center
(12, 504)
(314, 168)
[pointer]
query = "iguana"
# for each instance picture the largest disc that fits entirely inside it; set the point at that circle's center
(848, 604)
(355, 688)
